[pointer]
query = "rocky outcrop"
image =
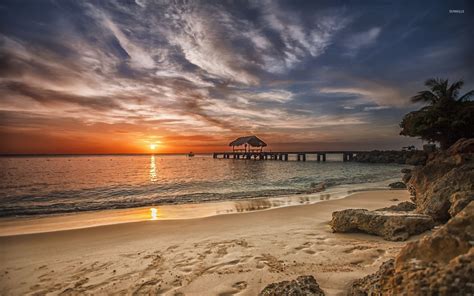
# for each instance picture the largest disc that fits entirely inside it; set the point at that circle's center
(443, 186)
(391, 225)
(404, 206)
(374, 284)
(438, 264)
(302, 286)
(414, 157)
(397, 185)
(406, 175)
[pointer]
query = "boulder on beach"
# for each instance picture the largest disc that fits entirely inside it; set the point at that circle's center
(443, 186)
(404, 206)
(397, 185)
(391, 225)
(302, 286)
(438, 264)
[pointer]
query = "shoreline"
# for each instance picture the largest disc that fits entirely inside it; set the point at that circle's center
(30, 224)
(241, 253)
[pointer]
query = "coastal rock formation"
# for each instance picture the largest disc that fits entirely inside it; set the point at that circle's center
(414, 157)
(302, 286)
(443, 186)
(438, 264)
(406, 175)
(391, 225)
(404, 206)
(374, 284)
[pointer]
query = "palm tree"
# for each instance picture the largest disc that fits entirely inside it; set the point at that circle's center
(440, 92)
(446, 118)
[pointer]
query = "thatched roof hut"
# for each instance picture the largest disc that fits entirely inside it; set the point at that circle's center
(251, 141)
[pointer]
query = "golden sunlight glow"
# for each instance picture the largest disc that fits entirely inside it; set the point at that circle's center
(153, 177)
(154, 213)
(153, 146)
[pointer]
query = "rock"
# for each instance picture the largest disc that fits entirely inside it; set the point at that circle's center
(459, 201)
(462, 146)
(302, 286)
(373, 283)
(397, 185)
(393, 226)
(438, 264)
(433, 185)
(449, 241)
(404, 206)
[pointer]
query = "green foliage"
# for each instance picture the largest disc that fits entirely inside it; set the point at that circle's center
(446, 118)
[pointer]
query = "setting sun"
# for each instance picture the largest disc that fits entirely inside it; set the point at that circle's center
(153, 146)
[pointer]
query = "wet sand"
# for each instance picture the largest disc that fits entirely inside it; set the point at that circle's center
(220, 255)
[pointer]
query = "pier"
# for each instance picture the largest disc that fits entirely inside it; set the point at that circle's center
(284, 156)
(251, 147)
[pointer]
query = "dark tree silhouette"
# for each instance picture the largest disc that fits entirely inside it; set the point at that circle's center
(447, 117)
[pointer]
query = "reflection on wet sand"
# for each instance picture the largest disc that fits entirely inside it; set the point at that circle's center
(252, 205)
(154, 214)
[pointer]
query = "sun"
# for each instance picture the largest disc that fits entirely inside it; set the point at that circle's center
(153, 146)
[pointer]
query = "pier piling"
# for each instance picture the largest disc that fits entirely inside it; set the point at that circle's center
(283, 156)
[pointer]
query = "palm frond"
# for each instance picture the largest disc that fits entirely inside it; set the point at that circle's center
(453, 90)
(466, 96)
(432, 82)
(425, 96)
(438, 86)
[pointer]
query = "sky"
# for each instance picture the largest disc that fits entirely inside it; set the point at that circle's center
(119, 76)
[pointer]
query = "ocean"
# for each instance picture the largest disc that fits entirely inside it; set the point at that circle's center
(44, 185)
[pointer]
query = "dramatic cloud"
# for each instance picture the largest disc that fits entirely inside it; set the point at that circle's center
(114, 76)
(363, 39)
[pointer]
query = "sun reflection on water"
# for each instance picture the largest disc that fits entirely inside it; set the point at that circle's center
(153, 177)
(154, 213)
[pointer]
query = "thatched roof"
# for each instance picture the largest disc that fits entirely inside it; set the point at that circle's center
(251, 140)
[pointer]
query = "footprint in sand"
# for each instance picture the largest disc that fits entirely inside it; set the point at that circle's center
(272, 262)
(356, 248)
(306, 247)
(240, 285)
(236, 288)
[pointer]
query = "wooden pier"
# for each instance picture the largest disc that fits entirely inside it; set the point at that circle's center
(284, 156)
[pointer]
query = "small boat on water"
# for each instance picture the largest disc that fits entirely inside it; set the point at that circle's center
(191, 154)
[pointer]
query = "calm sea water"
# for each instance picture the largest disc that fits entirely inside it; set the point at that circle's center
(48, 185)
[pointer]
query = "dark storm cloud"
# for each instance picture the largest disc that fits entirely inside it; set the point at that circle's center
(230, 67)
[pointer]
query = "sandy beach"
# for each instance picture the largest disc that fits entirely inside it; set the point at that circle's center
(221, 255)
